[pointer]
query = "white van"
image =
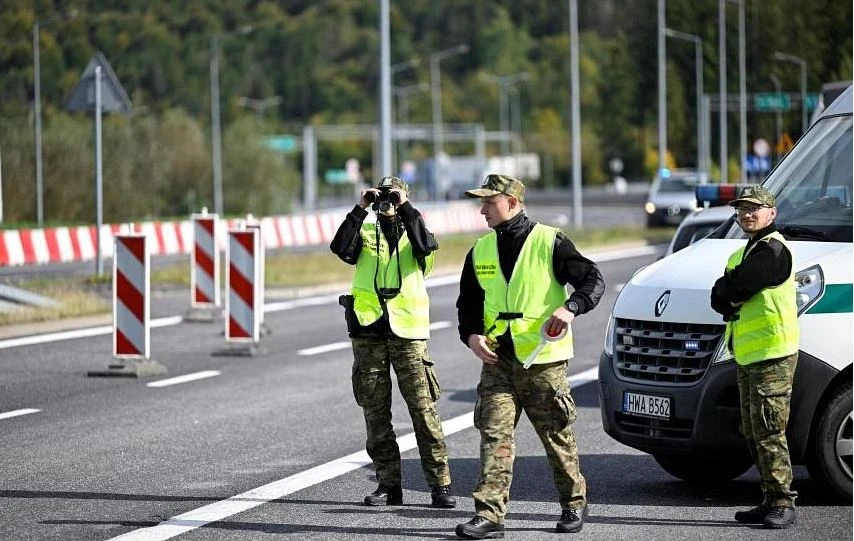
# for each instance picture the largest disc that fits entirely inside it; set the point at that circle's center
(667, 380)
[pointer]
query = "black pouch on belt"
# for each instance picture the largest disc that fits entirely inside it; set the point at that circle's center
(349, 313)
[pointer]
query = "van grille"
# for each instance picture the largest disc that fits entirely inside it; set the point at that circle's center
(655, 428)
(664, 352)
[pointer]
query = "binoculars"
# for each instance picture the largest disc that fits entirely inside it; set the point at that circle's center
(383, 199)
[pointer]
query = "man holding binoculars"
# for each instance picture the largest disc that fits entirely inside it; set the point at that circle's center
(388, 320)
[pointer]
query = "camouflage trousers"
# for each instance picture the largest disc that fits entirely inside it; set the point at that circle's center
(765, 390)
(542, 391)
(416, 378)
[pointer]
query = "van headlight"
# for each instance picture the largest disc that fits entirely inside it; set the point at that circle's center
(609, 336)
(809, 285)
(649, 207)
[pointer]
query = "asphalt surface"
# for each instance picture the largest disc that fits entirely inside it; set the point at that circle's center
(110, 456)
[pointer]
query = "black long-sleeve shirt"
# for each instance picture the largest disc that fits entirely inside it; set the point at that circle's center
(347, 245)
(569, 266)
(767, 265)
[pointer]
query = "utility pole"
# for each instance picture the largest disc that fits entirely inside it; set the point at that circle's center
(662, 90)
(385, 91)
(575, 113)
(436, 92)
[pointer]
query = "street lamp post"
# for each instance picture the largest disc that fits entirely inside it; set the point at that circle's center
(216, 143)
(662, 90)
(505, 83)
(37, 110)
(785, 57)
(402, 93)
(742, 85)
(575, 113)
(385, 90)
(778, 124)
(436, 94)
(698, 61)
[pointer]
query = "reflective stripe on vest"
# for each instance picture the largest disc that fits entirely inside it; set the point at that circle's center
(532, 294)
(409, 311)
(767, 327)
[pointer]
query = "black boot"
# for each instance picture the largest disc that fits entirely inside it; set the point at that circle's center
(779, 518)
(480, 528)
(752, 516)
(571, 520)
(385, 495)
(442, 497)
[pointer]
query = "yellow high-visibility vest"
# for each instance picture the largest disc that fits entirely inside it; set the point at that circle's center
(525, 303)
(409, 311)
(767, 327)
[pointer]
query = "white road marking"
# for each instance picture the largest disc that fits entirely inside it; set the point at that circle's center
(220, 510)
(335, 346)
(436, 281)
(17, 413)
(185, 378)
(317, 350)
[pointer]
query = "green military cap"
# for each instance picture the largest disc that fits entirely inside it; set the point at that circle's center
(391, 183)
(496, 184)
(755, 195)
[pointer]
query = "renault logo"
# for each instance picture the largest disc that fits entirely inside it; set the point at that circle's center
(661, 303)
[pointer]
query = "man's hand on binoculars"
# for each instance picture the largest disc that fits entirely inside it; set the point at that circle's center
(401, 196)
(365, 200)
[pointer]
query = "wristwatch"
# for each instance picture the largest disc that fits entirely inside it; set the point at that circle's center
(572, 306)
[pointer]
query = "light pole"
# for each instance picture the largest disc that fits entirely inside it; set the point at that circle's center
(505, 83)
(785, 57)
(779, 115)
(436, 94)
(413, 62)
(385, 90)
(662, 90)
(742, 85)
(37, 110)
(216, 143)
(259, 106)
(698, 67)
(402, 93)
(575, 113)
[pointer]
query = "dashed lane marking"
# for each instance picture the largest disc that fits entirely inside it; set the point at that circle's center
(204, 374)
(336, 346)
(17, 413)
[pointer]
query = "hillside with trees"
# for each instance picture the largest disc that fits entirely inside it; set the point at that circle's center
(320, 57)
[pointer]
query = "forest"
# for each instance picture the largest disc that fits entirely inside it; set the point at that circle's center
(316, 62)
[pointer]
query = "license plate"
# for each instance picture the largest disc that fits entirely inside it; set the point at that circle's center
(646, 405)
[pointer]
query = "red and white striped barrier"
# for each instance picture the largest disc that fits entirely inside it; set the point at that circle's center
(65, 244)
(131, 297)
(242, 304)
(262, 249)
(204, 263)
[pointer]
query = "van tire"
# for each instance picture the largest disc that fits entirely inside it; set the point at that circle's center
(703, 470)
(835, 424)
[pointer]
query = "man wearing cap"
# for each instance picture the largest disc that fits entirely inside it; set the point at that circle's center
(756, 297)
(388, 320)
(512, 289)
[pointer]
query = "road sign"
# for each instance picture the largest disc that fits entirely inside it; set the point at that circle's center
(336, 176)
(114, 99)
(812, 102)
(770, 101)
(281, 143)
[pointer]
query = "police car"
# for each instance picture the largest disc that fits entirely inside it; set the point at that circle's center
(667, 380)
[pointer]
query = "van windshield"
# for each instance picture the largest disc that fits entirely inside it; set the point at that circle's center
(674, 185)
(813, 185)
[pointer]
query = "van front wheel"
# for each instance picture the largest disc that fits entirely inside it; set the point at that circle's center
(703, 470)
(830, 463)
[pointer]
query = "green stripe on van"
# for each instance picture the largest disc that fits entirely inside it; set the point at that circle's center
(837, 299)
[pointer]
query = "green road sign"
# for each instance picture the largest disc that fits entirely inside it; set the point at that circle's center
(336, 176)
(812, 102)
(771, 102)
(282, 143)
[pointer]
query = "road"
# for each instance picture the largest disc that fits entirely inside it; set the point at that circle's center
(272, 446)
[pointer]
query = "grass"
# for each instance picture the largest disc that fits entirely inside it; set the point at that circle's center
(87, 296)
